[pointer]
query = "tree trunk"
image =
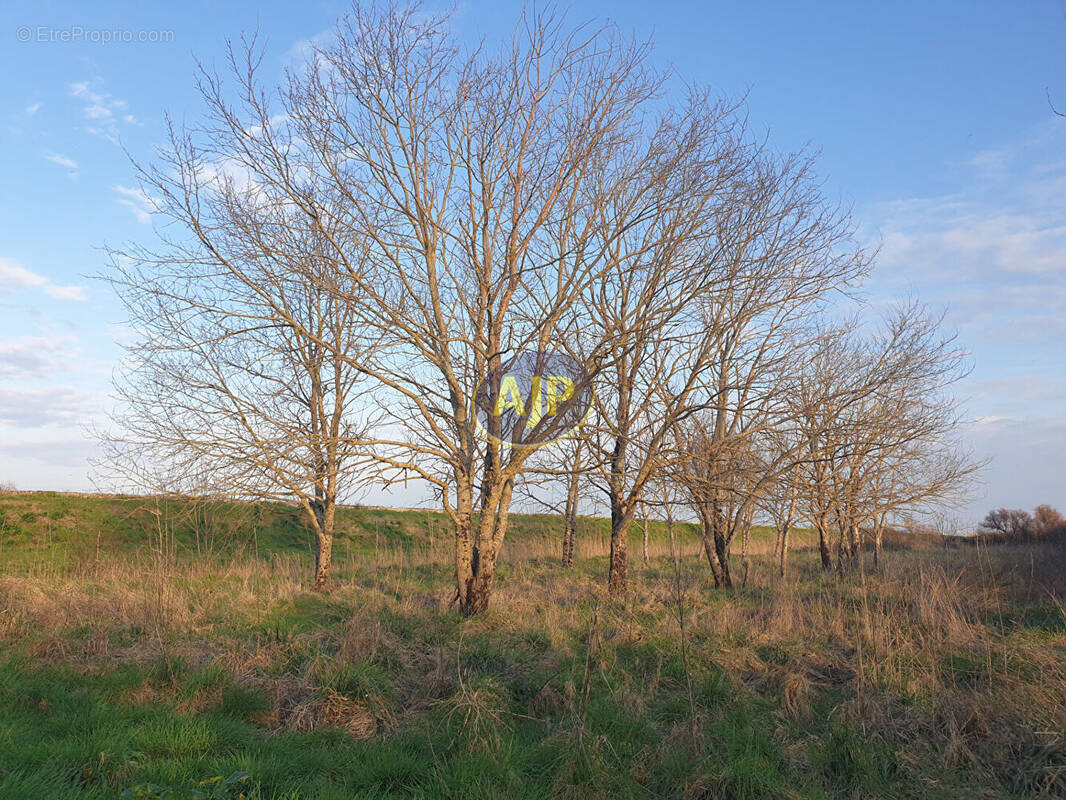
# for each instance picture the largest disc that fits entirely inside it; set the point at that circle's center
(324, 511)
(465, 553)
(645, 539)
(618, 572)
(721, 543)
(784, 526)
(618, 575)
(477, 589)
(477, 597)
(716, 544)
(323, 557)
(721, 549)
(569, 531)
(570, 521)
(823, 547)
(712, 557)
(707, 536)
(858, 544)
(479, 586)
(843, 561)
(744, 559)
(492, 525)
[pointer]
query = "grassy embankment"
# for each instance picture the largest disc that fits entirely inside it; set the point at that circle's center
(123, 668)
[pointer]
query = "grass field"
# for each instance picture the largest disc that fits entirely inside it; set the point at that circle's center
(46, 527)
(133, 665)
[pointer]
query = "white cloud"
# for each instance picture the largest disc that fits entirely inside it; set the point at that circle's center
(978, 243)
(227, 173)
(35, 408)
(138, 201)
(33, 356)
(995, 250)
(104, 110)
(32, 109)
(76, 293)
(273, 122)
(64, 161)
(15, 276)
(1018, 394)
(61, 160)
(54, 459)
(302, 53)
(68, 453)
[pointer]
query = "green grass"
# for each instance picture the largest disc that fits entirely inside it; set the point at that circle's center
(36, 525)
(58, 717)
(221, 675)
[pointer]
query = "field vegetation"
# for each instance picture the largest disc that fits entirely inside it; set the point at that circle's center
(134, 664)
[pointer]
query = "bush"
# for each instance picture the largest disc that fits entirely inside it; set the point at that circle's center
(1012, 522)
(1047, 520)
(1016, 524)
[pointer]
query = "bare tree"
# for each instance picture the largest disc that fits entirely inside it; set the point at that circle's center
(794, 253)
(485, 185)
(573, 499)
(469, 205)
(423, 215)
(1013, 522)
(699, 325)
(1047, 520)
(880, 425)
(241, 381)
(644, 524)
(779, 498)
(820, 393)
(717, 485)
(560, 465)
(519, 200)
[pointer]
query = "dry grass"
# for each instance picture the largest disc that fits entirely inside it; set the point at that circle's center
(954, 659)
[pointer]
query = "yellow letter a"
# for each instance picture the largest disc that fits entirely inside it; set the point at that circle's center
(509, 397)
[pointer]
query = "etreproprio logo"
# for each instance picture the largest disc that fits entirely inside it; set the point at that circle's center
(533, 399)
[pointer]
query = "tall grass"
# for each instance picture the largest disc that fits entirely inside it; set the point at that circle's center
(942, 675)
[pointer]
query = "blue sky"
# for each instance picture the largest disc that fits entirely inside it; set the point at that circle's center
(932, 120)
